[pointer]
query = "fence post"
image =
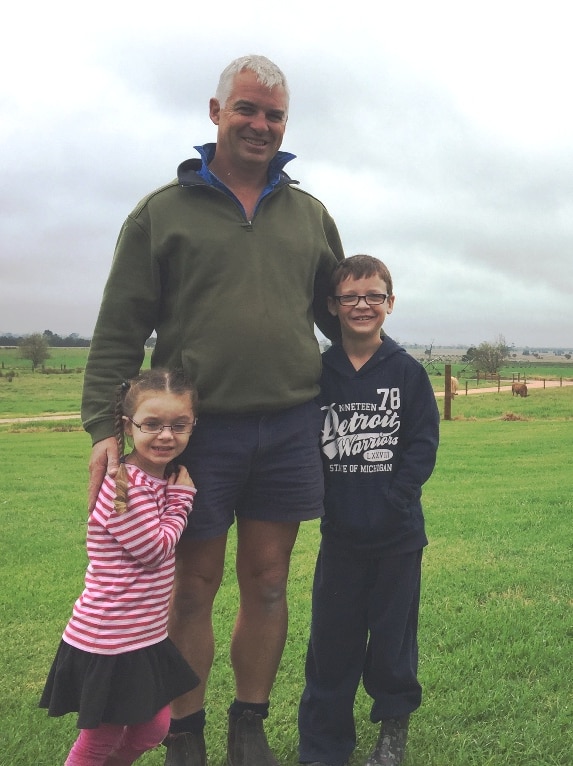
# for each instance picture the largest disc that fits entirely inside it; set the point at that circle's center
(448, 392)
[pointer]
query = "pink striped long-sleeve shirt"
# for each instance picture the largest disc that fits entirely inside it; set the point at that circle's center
(129, 578)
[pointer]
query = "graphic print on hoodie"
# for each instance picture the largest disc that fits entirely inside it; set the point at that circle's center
(379, 441)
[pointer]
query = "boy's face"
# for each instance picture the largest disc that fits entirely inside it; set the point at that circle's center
(361, 322)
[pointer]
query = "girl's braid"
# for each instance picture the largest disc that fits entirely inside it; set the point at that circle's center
(121, 477)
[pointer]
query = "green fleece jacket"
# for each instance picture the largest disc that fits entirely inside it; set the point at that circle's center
(233, 302)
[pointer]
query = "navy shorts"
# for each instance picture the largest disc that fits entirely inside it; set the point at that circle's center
(265, 467)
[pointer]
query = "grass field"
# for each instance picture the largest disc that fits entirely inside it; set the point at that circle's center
(29, 394)
(496, 627)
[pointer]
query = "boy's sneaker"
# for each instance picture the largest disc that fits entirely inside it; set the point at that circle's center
(391, 745)
(247, 743)
(186, 749)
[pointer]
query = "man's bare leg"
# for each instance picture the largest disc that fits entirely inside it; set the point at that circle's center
(198, 572)
(263, 557)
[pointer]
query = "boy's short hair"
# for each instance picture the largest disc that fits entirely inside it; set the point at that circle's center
(357, 267)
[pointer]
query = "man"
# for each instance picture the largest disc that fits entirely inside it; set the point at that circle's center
(230, 265)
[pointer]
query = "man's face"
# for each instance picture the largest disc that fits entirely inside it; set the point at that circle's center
(251, 124)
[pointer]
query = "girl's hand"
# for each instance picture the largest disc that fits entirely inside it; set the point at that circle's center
(180, 476)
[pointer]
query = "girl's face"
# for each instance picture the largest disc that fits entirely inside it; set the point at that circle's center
(153, 451)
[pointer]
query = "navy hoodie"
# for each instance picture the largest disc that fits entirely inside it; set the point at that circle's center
(379, 443)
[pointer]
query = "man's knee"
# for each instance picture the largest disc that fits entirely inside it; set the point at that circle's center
(198, 575)
(263, 556)
(264, 585)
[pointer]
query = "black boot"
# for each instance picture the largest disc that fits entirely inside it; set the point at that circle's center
(247, 743)
(186, 749)
(391, 745)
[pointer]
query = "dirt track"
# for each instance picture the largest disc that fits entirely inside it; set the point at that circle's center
(461, 392)
(57, 416)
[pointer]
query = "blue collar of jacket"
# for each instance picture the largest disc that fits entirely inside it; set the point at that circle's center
(195, 171)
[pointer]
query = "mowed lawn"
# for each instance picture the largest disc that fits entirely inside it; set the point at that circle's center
(496, 629)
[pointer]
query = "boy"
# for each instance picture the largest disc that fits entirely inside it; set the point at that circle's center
(379, 444)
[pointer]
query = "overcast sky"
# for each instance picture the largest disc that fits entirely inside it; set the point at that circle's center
(438, 134)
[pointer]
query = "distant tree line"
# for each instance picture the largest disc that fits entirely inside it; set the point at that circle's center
(490, 357)
(52, 339)
(36, 346)
(70, 341)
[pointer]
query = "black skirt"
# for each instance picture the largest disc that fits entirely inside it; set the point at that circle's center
(123, 689)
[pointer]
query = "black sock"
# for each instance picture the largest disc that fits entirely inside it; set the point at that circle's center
(238, 708)
(191, 724)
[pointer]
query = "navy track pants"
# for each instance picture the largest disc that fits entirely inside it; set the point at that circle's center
(364, 625)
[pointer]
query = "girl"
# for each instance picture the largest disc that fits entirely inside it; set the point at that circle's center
(115, 665)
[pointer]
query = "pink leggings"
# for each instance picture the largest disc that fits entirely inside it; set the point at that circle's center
(121, 744)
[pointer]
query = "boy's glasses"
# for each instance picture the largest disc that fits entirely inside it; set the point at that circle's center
(151, 427)
(374, 299)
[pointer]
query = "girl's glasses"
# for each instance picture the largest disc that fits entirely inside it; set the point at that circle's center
(151, 427)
